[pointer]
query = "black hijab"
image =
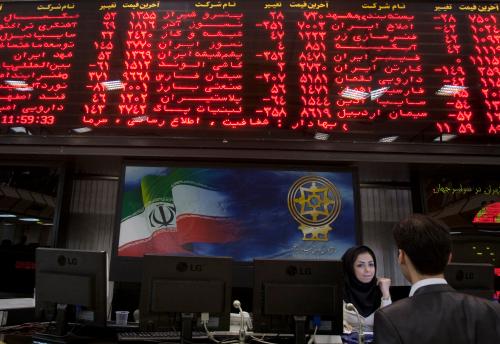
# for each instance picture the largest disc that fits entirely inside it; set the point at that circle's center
(364, 296)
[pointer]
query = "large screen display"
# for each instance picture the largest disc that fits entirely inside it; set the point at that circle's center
(243, 213)
(352, 69)
(464, 199)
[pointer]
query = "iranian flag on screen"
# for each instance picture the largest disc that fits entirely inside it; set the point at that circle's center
(166, 213)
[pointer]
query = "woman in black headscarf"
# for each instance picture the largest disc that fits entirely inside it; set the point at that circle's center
(362, 288)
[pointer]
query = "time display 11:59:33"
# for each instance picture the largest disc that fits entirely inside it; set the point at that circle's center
(28, 119)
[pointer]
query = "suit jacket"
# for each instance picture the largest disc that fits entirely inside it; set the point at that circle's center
(438, 314)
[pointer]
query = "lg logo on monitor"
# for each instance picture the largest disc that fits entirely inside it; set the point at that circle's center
(464, 275)
(293, 270)
(63, 260)
(183, 267)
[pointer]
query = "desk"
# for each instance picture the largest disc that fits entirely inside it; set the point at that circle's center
(108, 336)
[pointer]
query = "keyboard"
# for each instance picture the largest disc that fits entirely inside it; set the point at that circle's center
(138, 336)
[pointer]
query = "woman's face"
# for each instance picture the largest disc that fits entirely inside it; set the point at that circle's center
(364, 267)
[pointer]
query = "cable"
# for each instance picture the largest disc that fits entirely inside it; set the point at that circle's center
(313, 337)
(25, 326)
(210, 336)
(261, 340)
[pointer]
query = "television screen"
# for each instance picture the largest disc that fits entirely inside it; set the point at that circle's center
(463, 198)
(466, 199)
(239, 212)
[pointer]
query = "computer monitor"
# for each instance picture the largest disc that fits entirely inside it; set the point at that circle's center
(474, 279)
(176, 290)
(293, 296)
(399, 292)
(17, 268)
(71, 286)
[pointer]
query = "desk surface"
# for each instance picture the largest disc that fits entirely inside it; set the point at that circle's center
(21, 334)
(23, 339)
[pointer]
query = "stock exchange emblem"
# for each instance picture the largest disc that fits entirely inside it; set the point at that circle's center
(162, 215)
(314, 202)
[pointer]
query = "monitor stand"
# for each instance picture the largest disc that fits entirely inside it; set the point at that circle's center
(186, 334)
(61, 320)
(60, 335)
(300, 326)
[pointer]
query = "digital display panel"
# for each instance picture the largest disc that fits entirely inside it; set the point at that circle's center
(352, 69)
(242, 213)
(464, 199)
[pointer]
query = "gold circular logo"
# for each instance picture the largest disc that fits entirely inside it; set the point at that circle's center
(314, 202)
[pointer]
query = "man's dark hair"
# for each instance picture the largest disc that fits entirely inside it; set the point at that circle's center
(426, 241)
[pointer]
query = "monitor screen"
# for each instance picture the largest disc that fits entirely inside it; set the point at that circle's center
(175, 286)
(476, 279)
(284, 289)
(237, 211)
(77, 279)
(17, 268)
(464, 197)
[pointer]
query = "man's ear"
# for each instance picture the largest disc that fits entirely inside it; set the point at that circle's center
(401, 257)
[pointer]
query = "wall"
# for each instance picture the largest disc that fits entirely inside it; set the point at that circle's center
(92, 203)
(385, 198)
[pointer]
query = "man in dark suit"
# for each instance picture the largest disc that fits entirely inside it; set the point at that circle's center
(434, 313)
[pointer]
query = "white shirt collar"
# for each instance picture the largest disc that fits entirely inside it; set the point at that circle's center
(426, 282)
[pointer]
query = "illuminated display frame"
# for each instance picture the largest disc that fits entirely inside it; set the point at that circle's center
(377, 129)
